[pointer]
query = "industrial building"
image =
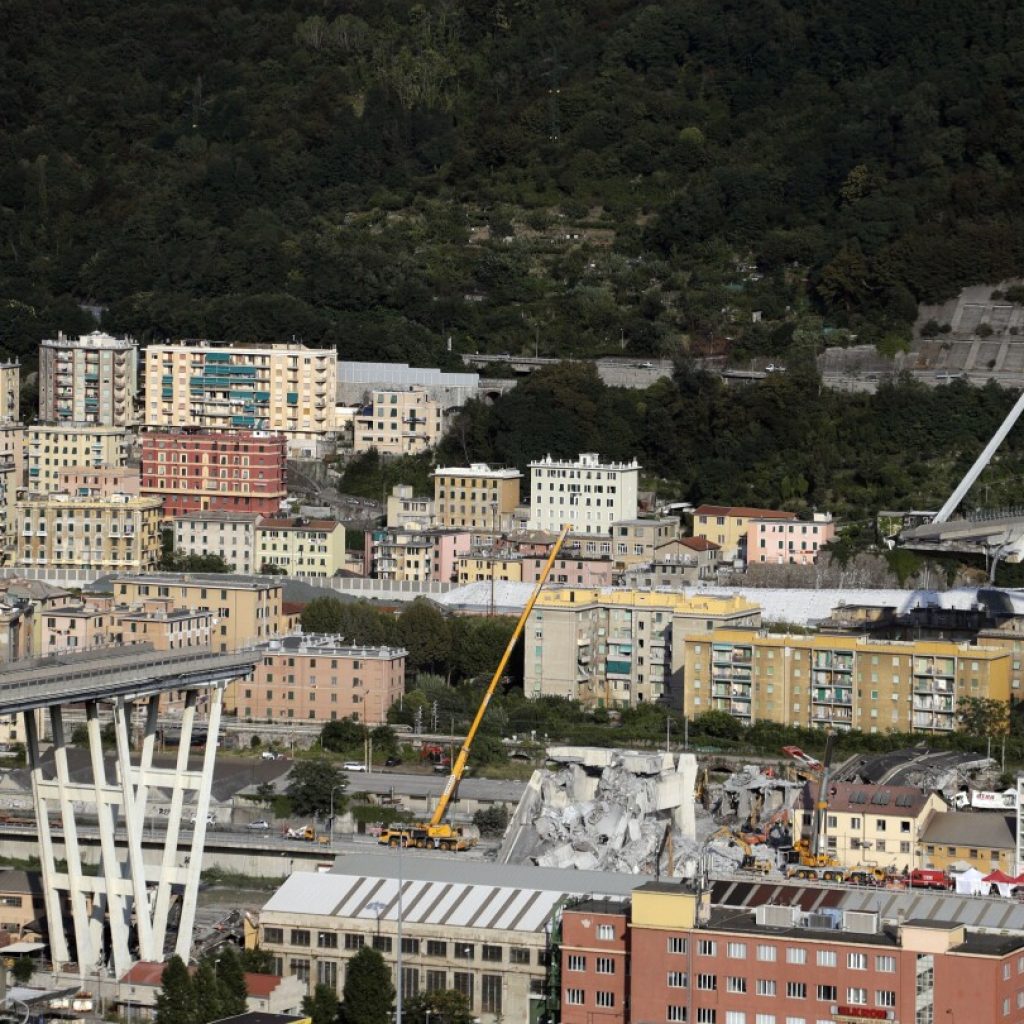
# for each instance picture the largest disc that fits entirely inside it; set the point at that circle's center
(89, 379)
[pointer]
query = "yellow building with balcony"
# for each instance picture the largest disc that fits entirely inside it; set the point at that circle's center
(840, 682)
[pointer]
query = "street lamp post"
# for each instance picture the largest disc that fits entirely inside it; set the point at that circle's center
(398, 986)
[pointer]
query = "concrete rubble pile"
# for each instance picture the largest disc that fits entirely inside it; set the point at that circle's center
(604, 809)
(751, 796)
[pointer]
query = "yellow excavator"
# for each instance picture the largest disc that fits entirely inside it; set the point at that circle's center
(437, 833)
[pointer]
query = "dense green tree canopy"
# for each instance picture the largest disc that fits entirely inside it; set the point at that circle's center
(310, 784)
(368, 993)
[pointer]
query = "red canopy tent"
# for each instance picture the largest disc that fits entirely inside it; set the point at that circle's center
(999, 876)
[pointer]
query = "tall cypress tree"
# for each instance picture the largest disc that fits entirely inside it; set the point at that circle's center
(231, 982)
(176, 1000)
(207, 990)
(368, 994)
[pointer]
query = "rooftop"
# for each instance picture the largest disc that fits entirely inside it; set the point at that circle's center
(586, 460)
(223, 581)
(95, 339)
(853, 797)
(479, 469)
(678, 602)
(698, 544)
(988, 829)
(314, 644)
(742, 511)
(217, 517)
(298, 523)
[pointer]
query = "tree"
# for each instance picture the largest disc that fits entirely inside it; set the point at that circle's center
(322, 615)
(273, 569)
(231, 981)
(310, 785)
(256, 960)
(176, 1000)
(983, 716)
(444, 1006)
(322, 1007)
(368, 994)
(342, 735)
(23, 969)
(207, 993)
(426, 635)
(492, 821)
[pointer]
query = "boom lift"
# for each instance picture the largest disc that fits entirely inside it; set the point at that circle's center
(438, 833)
(809, 856)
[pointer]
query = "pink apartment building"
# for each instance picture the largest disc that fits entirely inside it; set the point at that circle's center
(788, 542)
(580, 572)
(99, 481)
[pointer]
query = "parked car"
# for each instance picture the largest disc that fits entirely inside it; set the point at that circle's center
(392, 762)
(268, 755)
(258, 826)
(354, 766)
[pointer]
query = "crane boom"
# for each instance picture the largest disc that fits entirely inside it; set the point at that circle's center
(821, 803)
(459, 767)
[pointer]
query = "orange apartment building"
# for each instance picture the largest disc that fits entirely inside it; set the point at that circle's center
(320, 679)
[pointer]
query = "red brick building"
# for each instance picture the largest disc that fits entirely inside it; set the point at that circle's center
(669, 957)
(197, 471)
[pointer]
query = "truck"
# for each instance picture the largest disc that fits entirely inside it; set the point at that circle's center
(437, 833)
(982, 800)
(306, 833)
(929, 878)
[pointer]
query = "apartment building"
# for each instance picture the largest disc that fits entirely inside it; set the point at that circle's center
(572, 571)
(671, 955)
(841, 682)
(406, 511)
(52, 448)
(487, 566)
(618, 648)
(312, 678)
(232, 535)
(398, 422)
(99, 481)
(728, 526)
(245, 610)
(284, 389)
(12, 478)
(635, 541)
(17, 629)
(485, 930)
(476, 497)
(22, 905)
(10, 392)
(682, 562)
(874, 826)
(93, 378)
(300, 546)
(192, 471)
(158, 622)
(788, 541)
(109, 534)
(588, 493)
(987, 840)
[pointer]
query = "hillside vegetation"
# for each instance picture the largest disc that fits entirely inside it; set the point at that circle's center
(575, 176)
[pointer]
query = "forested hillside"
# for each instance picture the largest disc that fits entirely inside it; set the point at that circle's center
(579, 176)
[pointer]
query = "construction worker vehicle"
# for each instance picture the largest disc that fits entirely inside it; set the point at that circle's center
(306, 833)
(437, 833)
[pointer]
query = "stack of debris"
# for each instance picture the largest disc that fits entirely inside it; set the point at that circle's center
(606, 810)
(753, 795)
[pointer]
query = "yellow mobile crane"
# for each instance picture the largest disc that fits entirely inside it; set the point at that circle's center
(437, 833)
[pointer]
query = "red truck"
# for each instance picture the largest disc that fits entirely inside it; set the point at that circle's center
(929, 878)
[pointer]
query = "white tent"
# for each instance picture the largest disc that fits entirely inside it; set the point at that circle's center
(970, 883)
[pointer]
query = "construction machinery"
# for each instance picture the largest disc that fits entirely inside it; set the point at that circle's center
(808, 857)
(438, 833)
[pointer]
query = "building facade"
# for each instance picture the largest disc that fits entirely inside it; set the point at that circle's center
(93, 378)
(232, 535)
(841, 682)
(635, 541)
(395, 422)
(320, 679)
(615, 648)
(987, 840)
(51, 449)
(587, 493)
(242, 471)
(283, 389)
(406, 511)
(729, 525)
(10, 392)
(99, 481)
(300, 546)
(787, 541)
(475, 497)
(245, 610)
(109, 534)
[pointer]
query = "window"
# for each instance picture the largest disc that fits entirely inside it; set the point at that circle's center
(764, 1018)
(676, 979)
(676, 945)
(606, 999)
(885, 997)
(574, 996)
(705, 1015)
(707, 982)
(796, 955)
(299, 937)
(606, 932)
(464, 951)
(382, 943)
(826, 958)
(857, 996)
(796, 990)
(354, 941)
(300, 968)
(766, 986)
(411, 946)
(827, 993)
(462, 981)
(437, 981)
(577, 963)
(273, 935)
(857, 961)
(885, 964)
(736, 985)
(518, 955)
(605, 965)
(492, 954)
(675, 1014)
(736, 951)
(437, 948)
(327, 940)
(735, 1017)
(766, 953)
(706, 947)
(327, 973)
(490, 993)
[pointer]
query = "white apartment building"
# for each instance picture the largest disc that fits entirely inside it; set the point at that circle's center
(232, 535)
(588, 493)
(286, 389)
(53, 447)
(89, 379)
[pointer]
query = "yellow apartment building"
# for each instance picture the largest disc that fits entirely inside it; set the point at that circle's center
(398, 422)
(619, 648)
(476, 496)
(287, 389)
(245, 610)
(484, 567)
(842, 682)
(61, 530)
(300, 546)
(987, 840)
(727, 526)
(51, 449)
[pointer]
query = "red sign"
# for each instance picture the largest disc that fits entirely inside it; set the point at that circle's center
(862, 1012)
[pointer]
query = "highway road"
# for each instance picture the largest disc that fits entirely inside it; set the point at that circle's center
(412, 784)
